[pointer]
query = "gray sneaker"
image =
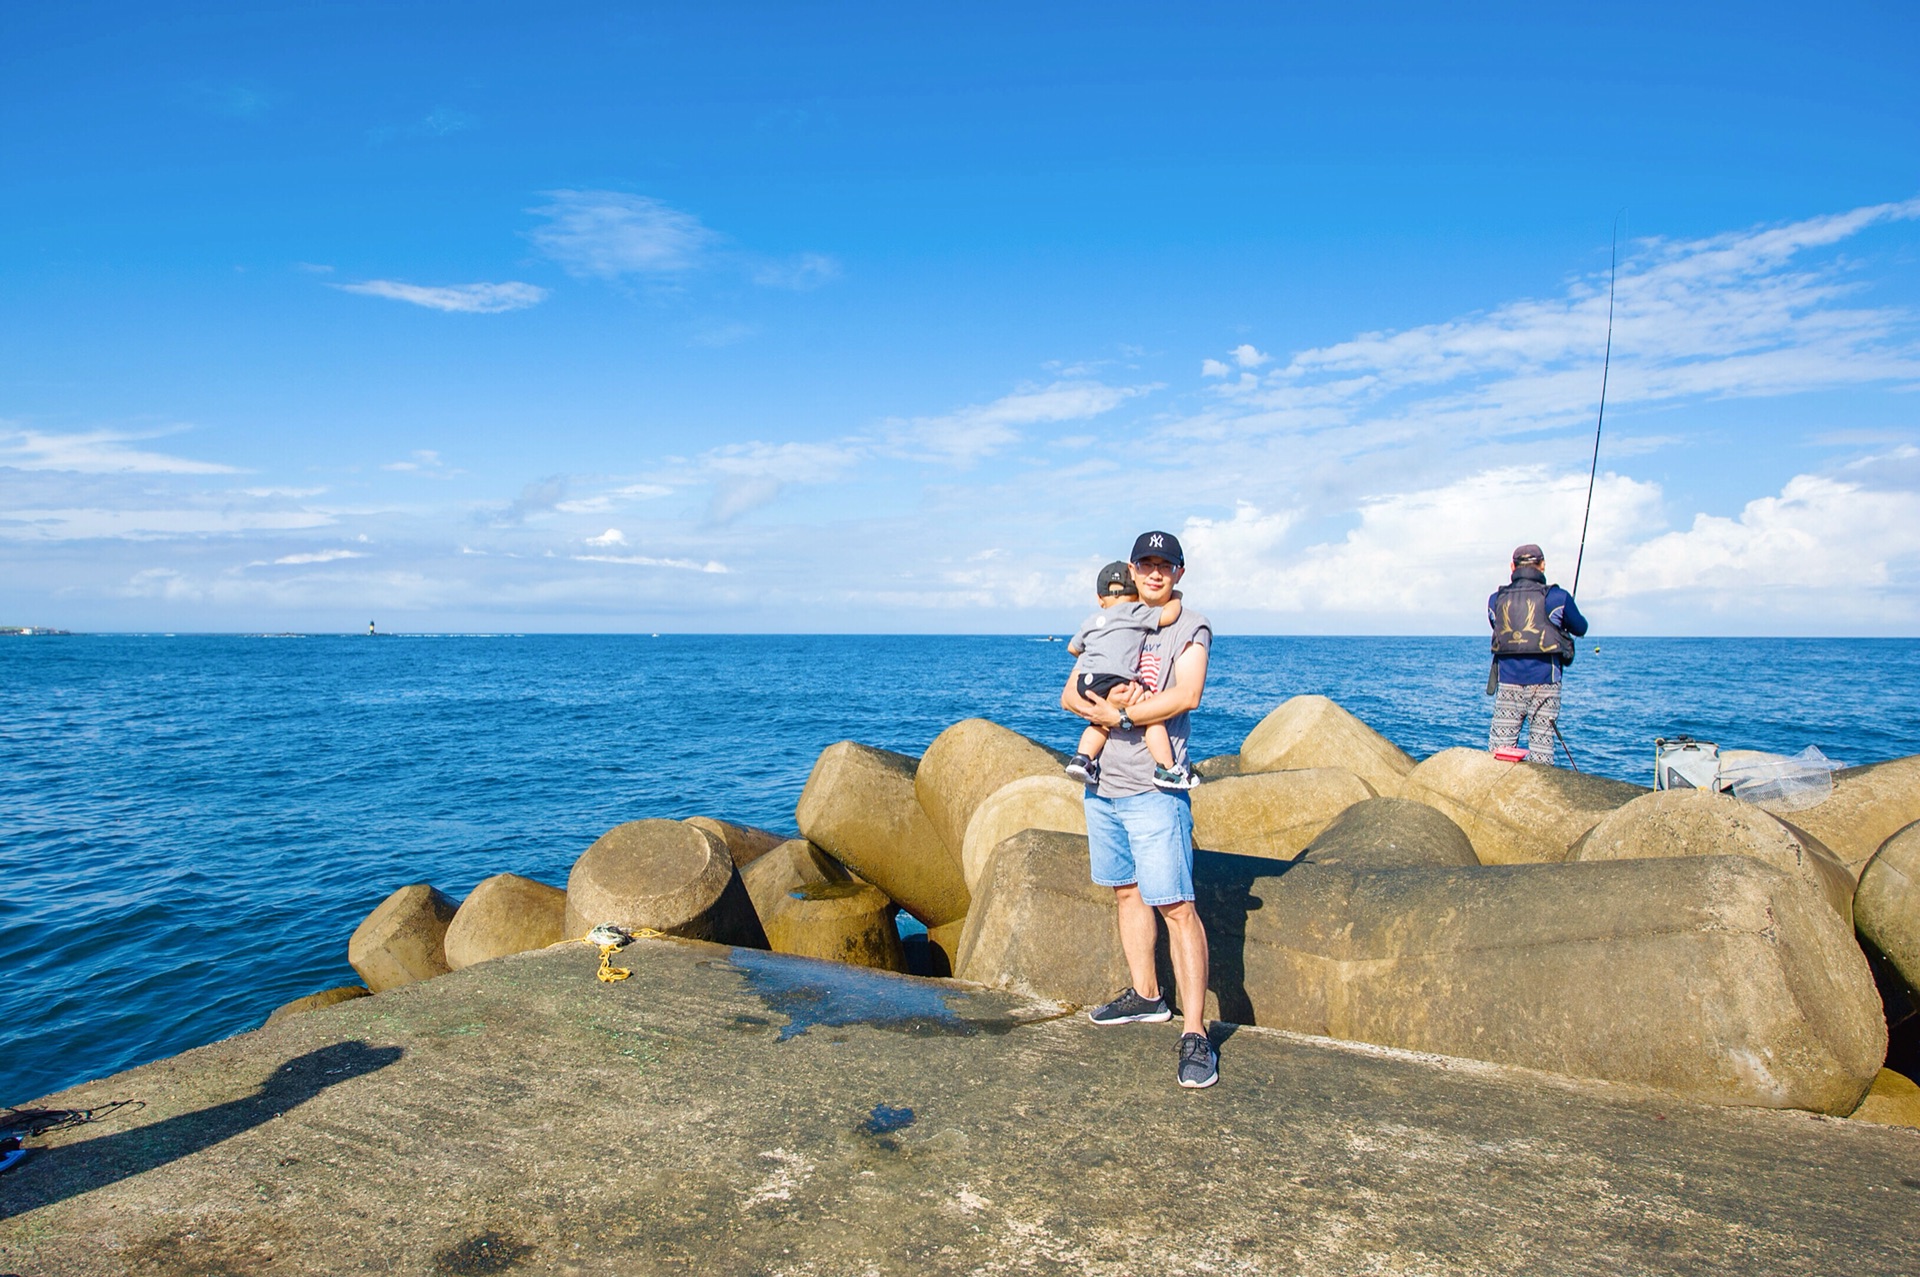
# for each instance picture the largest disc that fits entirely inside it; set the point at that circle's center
(1199, 1062)
(1131, 1008)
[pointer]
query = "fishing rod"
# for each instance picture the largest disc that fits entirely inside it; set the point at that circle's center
(1606, 364)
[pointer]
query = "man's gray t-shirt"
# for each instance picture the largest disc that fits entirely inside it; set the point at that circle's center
(1126, 768)
(1110, 640)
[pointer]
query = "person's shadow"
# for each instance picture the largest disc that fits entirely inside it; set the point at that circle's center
(49, 1175)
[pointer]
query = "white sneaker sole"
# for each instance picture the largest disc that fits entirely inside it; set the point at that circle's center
(1201, 1086)
(1151, 1017)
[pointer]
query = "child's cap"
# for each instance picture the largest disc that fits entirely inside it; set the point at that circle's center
(1115, 578)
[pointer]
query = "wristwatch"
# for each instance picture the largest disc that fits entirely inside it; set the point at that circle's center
(1126, 723)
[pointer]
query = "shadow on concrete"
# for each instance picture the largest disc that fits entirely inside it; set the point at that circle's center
(54, 1174)
(1223, 886)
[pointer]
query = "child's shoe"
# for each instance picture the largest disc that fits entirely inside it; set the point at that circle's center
(1178, 776)
(1083, 769)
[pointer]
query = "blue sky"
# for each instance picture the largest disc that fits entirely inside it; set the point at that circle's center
(906, 318)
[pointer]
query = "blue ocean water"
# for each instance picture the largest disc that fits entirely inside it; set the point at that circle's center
(191, 826)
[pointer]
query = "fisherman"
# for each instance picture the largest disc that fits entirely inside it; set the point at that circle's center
(1534, 625)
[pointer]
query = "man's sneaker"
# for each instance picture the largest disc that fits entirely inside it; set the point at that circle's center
(1083, 769)
(1178, 776)
(1131, 1008)
(1199, 1062)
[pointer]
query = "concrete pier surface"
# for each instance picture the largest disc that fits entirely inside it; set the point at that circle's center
(734, 1112)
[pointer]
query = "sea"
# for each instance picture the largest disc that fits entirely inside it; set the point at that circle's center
(191, 826)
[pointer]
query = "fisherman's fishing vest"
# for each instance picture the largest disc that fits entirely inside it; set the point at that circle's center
(1521, 627)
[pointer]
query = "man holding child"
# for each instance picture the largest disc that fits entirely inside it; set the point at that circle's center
(1139, 833)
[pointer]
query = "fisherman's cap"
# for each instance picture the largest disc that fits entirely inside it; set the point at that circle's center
(1115, 578)
(1529, 553)
(1158, 545)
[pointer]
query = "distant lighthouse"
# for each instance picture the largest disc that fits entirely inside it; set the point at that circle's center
(370, 630)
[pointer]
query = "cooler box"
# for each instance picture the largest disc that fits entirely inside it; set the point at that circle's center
(1685, 763)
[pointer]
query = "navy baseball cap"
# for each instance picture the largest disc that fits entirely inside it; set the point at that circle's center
(1528, 553)
(1158, 545)
(1115, 578)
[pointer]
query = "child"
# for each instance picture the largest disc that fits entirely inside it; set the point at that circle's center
(1108, 645)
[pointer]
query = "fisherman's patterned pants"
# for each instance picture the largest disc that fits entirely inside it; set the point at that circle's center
(1535, 704)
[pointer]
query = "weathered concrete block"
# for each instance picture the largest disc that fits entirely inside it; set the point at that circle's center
(1515, 813)
(318, 1001)
(1390, 833)
(663, 874)
(943, 945)
(505, 914)
(846, 921)
(794, 863)
(743, 842)
(1219, 766)
(403, 941)
(1040, 926)
(1313, 731)
(1719, 978)
(1886, 907)
(1869, 805)
(859, 805)
(1032, 802)
(968, 762)
(1272, 813)
(1699, 822)
(1893, 1101)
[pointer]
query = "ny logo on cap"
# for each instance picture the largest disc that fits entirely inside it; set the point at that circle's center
(1157, 541)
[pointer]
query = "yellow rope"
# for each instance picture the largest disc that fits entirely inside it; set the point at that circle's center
(608, 973)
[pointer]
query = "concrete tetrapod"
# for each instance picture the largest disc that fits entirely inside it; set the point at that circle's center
(1272, 813)
(1869, 805)
(1313, 731)
(1032, 802)
(859, 805)
(794, 863)
(968, 762)
(1886, 907)
(1893, 1101)
(1515, 813)
(318, 1001)
(848, 922)
(1390, 833)
(743, 842)
(505, 914)
(1699, 822)
(1719, 978)
(403, 941)
(663, 874)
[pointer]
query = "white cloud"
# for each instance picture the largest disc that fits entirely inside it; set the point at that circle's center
(319, 556)
(801, 272)
(94, 452)
(1418, 559)
(608, 234)
(1213, 368)
(711, 566)
(621, 496)
(611, 537)
(470, 299)
(969, 434)
(1247, 357)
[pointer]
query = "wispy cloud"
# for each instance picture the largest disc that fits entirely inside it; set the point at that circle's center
(439, 122)
(471, 299)
(608, 234)
(625, 495)
(801, 272)
(969, 434)
(711, 566)
(318, 556)
(94, 452)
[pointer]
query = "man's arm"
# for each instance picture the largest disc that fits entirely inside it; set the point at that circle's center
(1190, 680)
(1570, 619)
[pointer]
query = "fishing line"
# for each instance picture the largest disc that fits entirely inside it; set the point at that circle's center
(1606, 364)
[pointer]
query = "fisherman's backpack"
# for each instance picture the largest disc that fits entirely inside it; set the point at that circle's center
(1521, 627)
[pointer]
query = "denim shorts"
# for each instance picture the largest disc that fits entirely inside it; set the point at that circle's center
(1145, 839)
